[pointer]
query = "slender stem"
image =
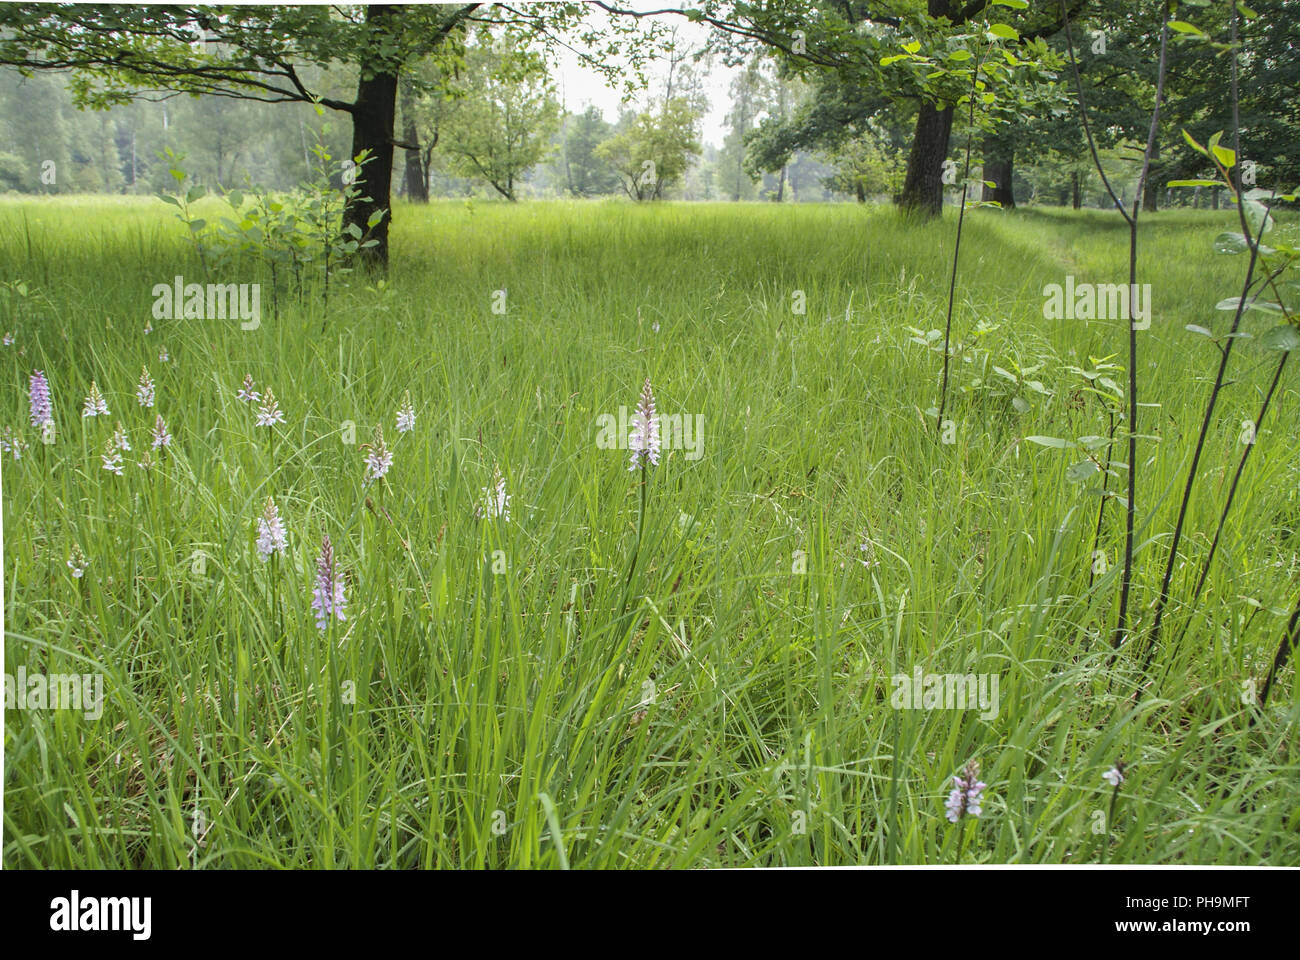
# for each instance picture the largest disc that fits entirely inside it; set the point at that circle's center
(1101, 510)
(1126, 578)
(640, 529)
(1121, 621)
(1289, 641)
(956, 251)
(1110, 824)
(1154, 638)
(1232, 491)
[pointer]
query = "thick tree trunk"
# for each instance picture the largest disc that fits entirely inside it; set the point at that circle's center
(861, 191)
(373, 115)
(1076, 198)
(923, 184)
(780, 187)
(416, 181)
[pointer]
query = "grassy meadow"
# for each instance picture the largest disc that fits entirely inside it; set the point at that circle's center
(519, 692)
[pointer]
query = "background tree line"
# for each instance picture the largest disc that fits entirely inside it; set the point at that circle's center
(462, 100)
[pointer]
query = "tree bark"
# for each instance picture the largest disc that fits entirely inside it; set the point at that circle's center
(999, 162)
(415, 179)
(373, 115)
(1076, 199)
(999, 171)
(923, 185)
(1151, 189)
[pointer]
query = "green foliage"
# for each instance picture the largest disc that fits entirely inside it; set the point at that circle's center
(651, 150)
(585, 173)
(500, 114)
(283, 232)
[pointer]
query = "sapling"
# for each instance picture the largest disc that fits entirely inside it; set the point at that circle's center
(1225, 162)
(1131, 218)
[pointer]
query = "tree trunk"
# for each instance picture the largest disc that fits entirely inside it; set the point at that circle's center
(373, 115)
(923, 186)
(780, 186)
(415, 179)
(1076, 199)
(999, 161)
(1151, 189)
(861, 191)
(999, 171)
(1214, 199)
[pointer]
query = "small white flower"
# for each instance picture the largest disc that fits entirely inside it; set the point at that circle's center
(644, 441)
(268, 414)
(144, 390)
(270, 531)
(246, 392)
(111, 458)
(406, 415)
(495, 501)
(96, 405)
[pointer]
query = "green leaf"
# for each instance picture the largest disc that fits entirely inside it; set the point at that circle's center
(168, 198)
(1266, 306)
(1021, 404)
(195, 193)
(1082, 471)
(1182, 26)
(1284, 337)
(1194, 145)
(1193, 183)
(1257, 215)
(1226, 155)
(197, 225)
(1054, 442)
(1004, 31)
(1230, 243)
(1201, 330)
(375, 217)
(959, 55)
(1013, 4)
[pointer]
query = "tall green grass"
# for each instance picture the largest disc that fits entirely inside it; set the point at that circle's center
(739, 712)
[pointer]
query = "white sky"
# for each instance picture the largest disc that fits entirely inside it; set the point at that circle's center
(581, 86)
